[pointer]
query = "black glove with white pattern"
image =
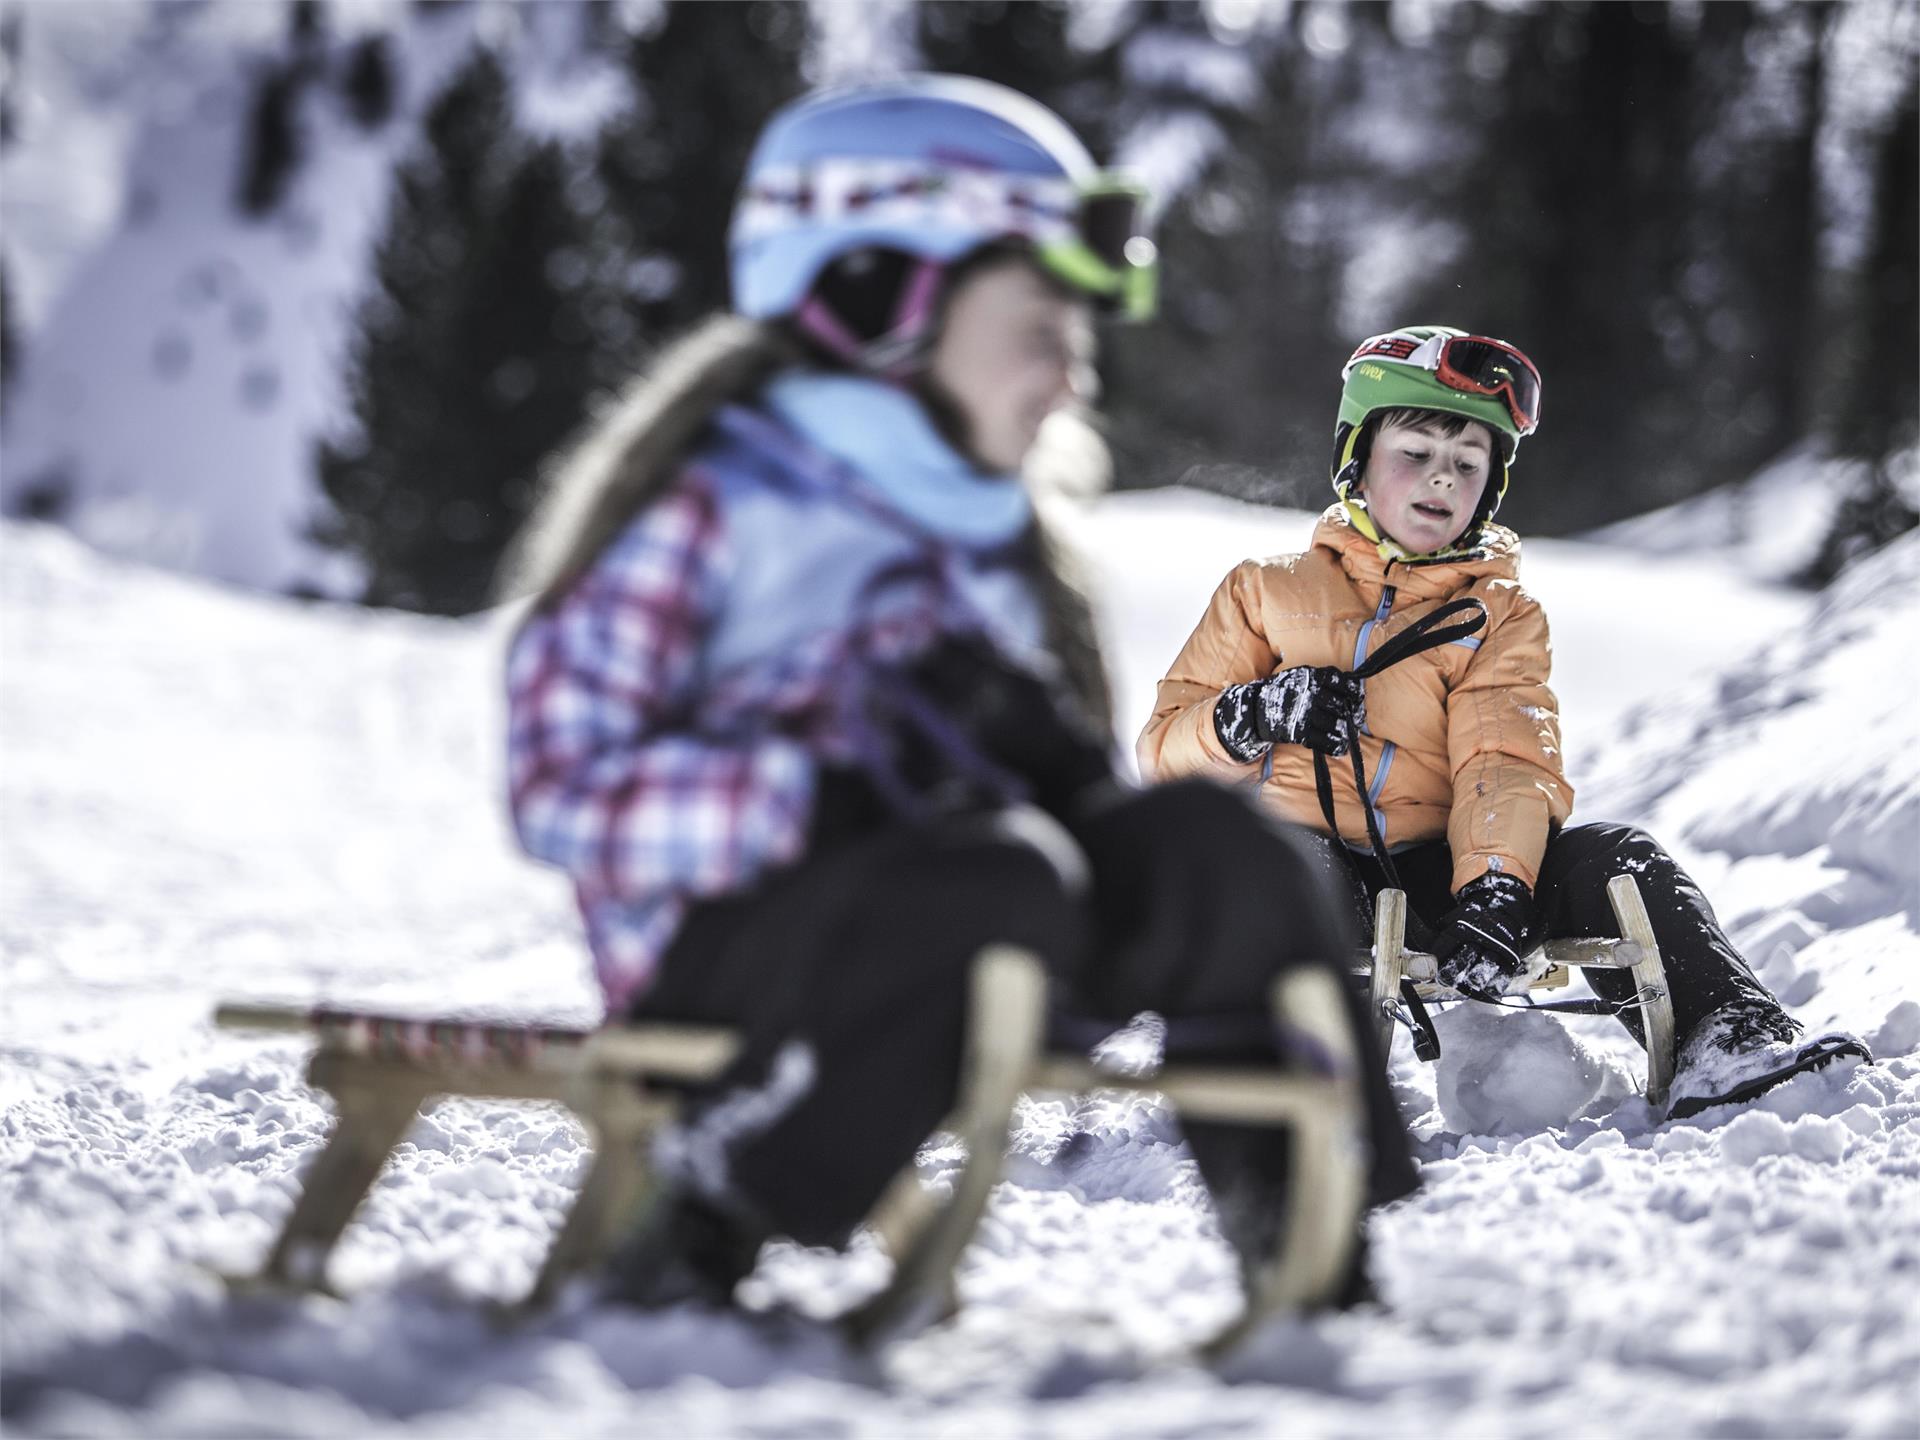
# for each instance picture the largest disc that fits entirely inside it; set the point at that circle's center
(1308, 706)
(1481, 943)
(1017, 718)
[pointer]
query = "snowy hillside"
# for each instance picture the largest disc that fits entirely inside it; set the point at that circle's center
(205, 795)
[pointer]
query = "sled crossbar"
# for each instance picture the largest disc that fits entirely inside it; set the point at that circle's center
(625, 1082)
(1391, 962)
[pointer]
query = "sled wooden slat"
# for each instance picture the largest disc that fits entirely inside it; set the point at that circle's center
(1390, 962)
(1232, 1094)
(676, 1052)
(1009, 1016)
(625, 1082)
(1327, 1171)
(1656, 1017)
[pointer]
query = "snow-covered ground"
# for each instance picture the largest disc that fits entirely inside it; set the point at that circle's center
(205, 794)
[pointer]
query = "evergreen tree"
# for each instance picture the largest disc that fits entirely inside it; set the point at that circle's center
(1227, 387)
(9, 354)
(274, 142)
(1751, 217)
(1878, 416)
(705, 79)
(1024, 44)
(307, 29)
(1878, 412)
(1574, 213)
(473, 358)
(9, 77)
(368, 83)
(1785, 265)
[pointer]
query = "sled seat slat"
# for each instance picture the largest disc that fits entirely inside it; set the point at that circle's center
(1552, 961)
(472, 1047)
(1237, 1094)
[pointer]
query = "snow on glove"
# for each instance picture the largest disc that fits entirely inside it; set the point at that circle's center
(1482, 942)
(1302, 706)
(1015, 718)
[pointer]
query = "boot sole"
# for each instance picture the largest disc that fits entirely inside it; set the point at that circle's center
(1818, 1058)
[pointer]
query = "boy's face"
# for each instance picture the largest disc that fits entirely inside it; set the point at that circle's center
(1421, 487)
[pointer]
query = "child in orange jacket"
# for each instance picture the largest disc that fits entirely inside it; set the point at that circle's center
(1389, 689)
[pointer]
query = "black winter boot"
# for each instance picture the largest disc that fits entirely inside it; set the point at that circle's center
(1744, 1049)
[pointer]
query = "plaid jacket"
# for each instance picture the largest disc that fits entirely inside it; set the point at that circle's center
(667, 716)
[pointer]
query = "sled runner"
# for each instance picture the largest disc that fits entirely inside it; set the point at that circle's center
(1392, 965)
(626, 1081)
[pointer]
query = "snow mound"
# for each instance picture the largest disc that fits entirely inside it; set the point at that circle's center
(1769, 524)
(1805, 747)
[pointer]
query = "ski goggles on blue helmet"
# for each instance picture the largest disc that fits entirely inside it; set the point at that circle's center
(935, 166)
(1089, 235)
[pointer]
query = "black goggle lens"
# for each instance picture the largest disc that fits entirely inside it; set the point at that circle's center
(1109, 220)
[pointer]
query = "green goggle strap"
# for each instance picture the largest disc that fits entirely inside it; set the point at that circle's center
(1136, 288)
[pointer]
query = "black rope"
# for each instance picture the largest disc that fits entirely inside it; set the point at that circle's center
(1427, 633)
(1639, 1000)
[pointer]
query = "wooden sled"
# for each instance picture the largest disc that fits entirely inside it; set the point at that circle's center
(1391, 962)
(626, 1081)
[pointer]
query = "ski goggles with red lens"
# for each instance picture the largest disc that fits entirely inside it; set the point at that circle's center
(1471, 364)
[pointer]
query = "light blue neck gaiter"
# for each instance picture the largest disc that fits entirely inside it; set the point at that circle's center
(885, 435)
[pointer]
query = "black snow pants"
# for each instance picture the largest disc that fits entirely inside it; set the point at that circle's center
(1704, 971)
(848, 973)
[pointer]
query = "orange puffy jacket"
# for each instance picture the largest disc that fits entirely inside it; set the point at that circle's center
(1461, 741)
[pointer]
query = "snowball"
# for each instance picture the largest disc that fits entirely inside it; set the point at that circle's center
(1503, 1074)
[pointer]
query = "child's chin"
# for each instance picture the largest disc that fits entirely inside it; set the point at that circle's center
(1422, 539)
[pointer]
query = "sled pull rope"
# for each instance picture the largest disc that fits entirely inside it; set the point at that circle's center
(1411, 1011)
(1639, 1000)
(1427, 633)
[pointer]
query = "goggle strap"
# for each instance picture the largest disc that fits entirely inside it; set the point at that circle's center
(1074, 262)
(895, 351)
(917, 299)
(1353, 443)
(817, 320)
(1136, 288)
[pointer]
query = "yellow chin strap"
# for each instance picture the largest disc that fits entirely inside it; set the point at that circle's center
(1362, 518)
(1356, 508)
(1390, 549)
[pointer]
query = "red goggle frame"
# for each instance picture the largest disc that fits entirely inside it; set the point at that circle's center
(1471, 364)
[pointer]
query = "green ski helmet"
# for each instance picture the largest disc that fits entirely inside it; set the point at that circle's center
(1436, 367)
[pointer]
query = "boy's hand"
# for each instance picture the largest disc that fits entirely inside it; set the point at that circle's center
(1303, 706)
(1482, 942)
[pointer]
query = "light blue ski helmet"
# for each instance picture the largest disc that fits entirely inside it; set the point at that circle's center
(931, 166)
